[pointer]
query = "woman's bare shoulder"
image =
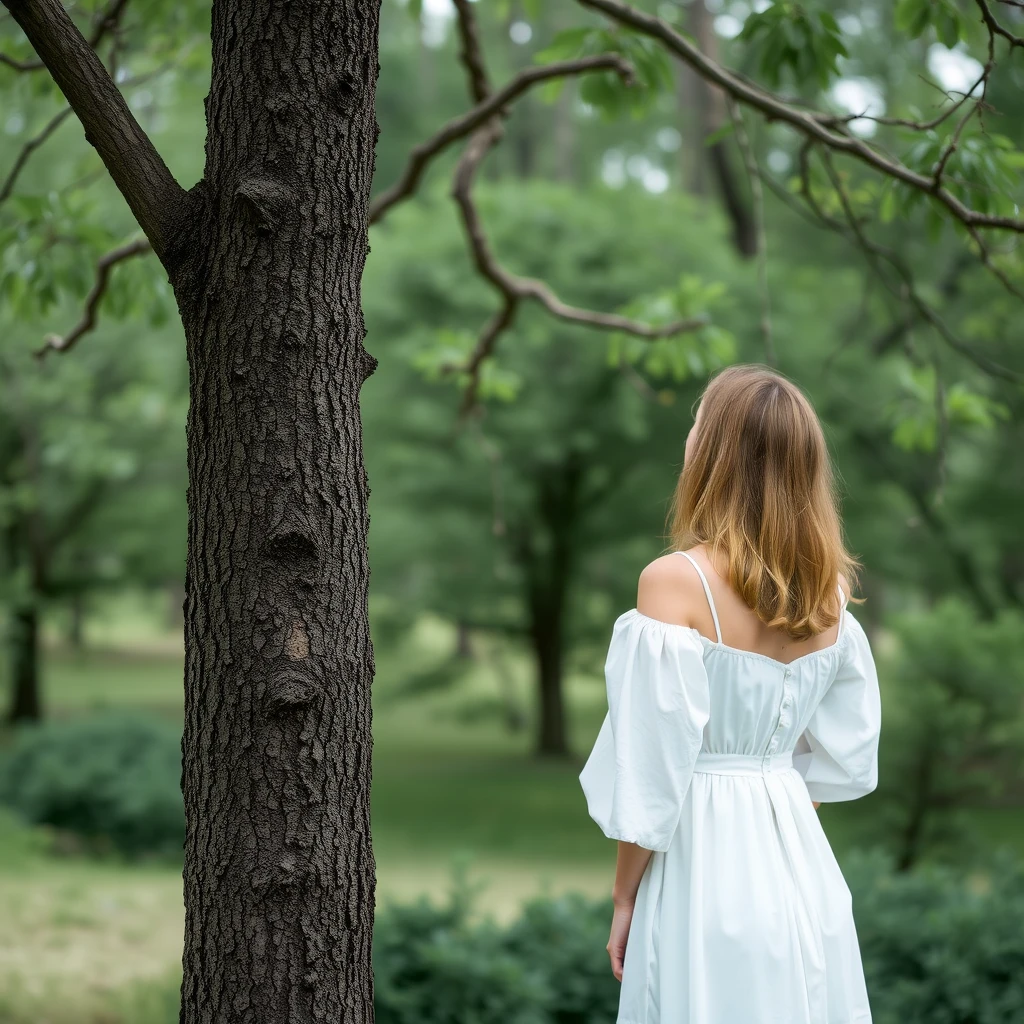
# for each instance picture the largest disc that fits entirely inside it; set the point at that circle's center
(670, 590)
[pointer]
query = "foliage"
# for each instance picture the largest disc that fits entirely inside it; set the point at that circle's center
(606, 91)
(110, 779)
(953, 734)
(561, 939)
(939, 948)
(792, 39)
(433, 966)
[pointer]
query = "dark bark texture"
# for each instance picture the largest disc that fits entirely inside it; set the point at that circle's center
(279, 874)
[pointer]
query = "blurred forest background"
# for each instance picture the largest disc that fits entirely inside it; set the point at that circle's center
(504, 542)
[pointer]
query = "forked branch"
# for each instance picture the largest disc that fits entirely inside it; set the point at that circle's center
(56, 343)
(495, 104)
(514, 289)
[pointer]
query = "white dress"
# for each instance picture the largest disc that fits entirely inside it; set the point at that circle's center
(710, 756)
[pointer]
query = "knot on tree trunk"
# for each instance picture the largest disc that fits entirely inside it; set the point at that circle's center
(288, 693)
(263, 200)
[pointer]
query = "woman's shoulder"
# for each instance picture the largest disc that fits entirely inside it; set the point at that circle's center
(670, 591)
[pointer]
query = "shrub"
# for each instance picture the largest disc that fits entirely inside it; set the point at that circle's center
(563, 941)
(939, 948)
(112, 780)
(432, 966)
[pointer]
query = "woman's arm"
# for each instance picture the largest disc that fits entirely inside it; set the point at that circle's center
(630, 865)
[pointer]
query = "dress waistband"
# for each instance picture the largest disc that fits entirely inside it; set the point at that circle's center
(742, 764)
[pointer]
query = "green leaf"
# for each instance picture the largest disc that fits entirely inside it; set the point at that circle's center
(719, 134)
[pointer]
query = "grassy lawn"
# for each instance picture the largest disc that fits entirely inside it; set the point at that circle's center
(448, 791)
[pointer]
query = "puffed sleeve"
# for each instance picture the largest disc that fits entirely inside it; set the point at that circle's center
(838, 752)
(640, 768)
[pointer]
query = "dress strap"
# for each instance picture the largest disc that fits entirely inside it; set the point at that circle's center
(842, 611)
(707, 591)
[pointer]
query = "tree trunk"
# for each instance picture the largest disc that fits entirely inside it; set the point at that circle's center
(547, 640)
(279, 873)
(708, 105)
(26, 703)
(76, 621)
(548, 573)
(22, 632)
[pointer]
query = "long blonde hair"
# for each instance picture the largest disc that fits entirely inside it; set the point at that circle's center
(758, 488)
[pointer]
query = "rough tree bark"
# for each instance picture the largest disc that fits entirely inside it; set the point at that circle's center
(279, 875)
(265, 256)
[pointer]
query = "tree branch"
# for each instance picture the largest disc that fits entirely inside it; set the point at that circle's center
(28, 149)
(873, 252)
(133, 162)
(815, 125)
(470, 51)
(993, 26)
(514, 289)
(104, 265)
(495, 104)
(106, 21)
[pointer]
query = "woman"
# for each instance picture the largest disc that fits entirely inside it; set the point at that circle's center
(741, 694)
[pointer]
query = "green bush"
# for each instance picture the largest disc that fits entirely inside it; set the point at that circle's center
(432, 966)
(562, 941)
(939, 948)
(111, 780)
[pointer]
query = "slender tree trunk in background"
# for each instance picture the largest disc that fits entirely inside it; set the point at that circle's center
(76, 621)
(23, 645)
(174, 617)
(463, 641)
(547, 639)
(919, 796)
(25, 702)
(279, 873)
(708, 105)
(548, 575)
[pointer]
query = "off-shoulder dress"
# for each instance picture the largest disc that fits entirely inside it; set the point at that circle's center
(711, 756)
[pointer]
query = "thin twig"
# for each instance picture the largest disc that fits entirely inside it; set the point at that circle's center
(495, 104)
(28, 149)
(993, 26)
(55, 342)
(106, 21)
(470, 50)
(981, 361)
